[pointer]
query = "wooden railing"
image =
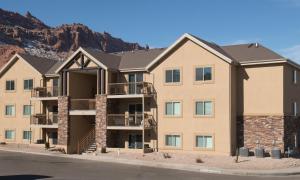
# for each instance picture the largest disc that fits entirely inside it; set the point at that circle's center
(84, 143)
(44, 92)
(130, 120)
(83, 104)
(130, 88)
(43, 119)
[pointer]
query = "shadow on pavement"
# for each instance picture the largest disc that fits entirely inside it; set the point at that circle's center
(23, 177)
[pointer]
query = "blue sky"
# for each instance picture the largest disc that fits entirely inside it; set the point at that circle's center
(274, 23)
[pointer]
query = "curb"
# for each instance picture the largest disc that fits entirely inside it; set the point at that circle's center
(184, 167)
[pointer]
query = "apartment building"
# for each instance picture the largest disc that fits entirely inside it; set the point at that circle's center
(194, 96)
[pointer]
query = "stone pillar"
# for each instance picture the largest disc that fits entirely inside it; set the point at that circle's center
(100, 125)
(63, 121)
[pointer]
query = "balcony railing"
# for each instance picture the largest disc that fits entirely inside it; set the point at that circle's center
(44, 92)
(130, 120)
(83, 104)
(43, 119)
(130, 88)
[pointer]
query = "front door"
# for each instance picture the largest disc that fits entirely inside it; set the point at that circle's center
(135, 141)
(135, 114)
(134, 80)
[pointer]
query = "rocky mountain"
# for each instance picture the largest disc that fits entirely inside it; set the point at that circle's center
(27, 33)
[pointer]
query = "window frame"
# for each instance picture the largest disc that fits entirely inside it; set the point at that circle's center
(13, 115)
(28, 79)
(24, 134)
(12, 139)
(15, 85)
(204, 135)
(172, 69)
(27, 115)
(173, 134)
(172, 101)
(212, 80)
(204, 115)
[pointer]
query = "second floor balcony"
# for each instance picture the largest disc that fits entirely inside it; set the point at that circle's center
(44, 92)
(134, 88)
(44, 120)
(130, 121)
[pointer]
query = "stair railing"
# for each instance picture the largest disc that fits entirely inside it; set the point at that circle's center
(85, 142)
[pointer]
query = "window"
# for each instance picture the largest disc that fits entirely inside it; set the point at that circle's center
(173, 108)
(26, 135)
(10, 110)
(204, 108)
(28, 84)
(204, 142)
(295, 111)
(9, 134)
(10, 85)
(203, 74)
(295, 77)
(173, 76)
(173, 140)
(27, 110)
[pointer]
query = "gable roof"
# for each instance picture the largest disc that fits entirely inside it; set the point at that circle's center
(206, 45)
(39, 64)
(138, 59)
(244, 53)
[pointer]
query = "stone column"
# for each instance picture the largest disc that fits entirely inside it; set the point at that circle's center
(63, 121)
(100, 125)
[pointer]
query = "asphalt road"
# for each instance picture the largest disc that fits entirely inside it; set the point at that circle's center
(29, 167)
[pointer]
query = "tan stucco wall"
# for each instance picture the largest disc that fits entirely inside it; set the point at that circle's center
(82, 85)
(291, 90)
(260, 90)
(187, 57)
(19, 71)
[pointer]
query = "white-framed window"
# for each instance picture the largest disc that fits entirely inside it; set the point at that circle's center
(28, 84)
(173, 140)
(173, 108)
(204, 108)
(205, 142)
(203, 74)
(10, 134)
(10, 110)
(295, 110)
(172, 76)
(295, 76)
(26, 135)
(10, 85)
(27, 110)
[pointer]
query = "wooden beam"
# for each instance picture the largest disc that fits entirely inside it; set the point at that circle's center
(65, 84)
(86, 63)
(82, 61)
(102, 87)
(99, 81)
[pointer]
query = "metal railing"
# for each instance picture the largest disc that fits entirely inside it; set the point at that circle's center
(43, 119)
(130, 88)
(44, 92)
(130, 120)
(83, 104)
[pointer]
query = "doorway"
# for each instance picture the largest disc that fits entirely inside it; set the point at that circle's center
(134, 80)
(135, 114)
(135, 141)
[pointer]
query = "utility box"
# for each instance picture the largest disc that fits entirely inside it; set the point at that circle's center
(260, 152)
(276, 153)
(244, 152)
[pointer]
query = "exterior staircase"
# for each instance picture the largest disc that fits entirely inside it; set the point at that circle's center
(87, 144)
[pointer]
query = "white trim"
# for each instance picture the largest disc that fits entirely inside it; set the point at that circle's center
(195, 40)
(80, 49)
(14, 59)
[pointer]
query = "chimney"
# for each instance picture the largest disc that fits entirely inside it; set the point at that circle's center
(256, 45)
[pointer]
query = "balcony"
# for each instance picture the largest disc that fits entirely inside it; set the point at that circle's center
(83, 107)
(45, 92)
(130, 121)
(44, 120)
(130, 89)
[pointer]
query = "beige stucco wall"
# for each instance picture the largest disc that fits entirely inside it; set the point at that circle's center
(260, 90)
(187, 57)
(291, 90)
(18, 72)
(82, 85)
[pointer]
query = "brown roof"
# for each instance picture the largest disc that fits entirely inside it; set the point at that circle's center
(138, 59)
(43, 65)
(251, 52)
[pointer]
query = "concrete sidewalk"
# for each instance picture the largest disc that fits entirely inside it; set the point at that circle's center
(185, 167)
